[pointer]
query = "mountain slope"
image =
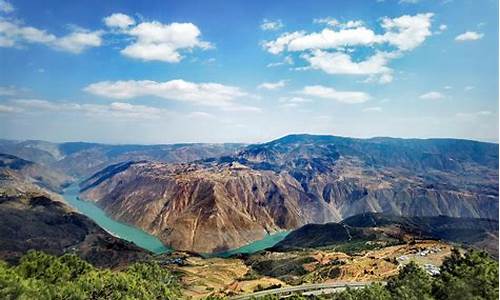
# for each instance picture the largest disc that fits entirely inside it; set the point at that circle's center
(222, 203)
(34, 216)
(480, 233)
(21, 170)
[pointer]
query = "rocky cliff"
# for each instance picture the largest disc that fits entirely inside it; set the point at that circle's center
(226, 202)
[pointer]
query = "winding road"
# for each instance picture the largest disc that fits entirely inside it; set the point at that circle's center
(315, 288)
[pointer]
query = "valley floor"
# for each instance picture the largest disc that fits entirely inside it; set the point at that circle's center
(247, 274)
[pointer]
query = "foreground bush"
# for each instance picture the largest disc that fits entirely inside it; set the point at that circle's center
(42, 276)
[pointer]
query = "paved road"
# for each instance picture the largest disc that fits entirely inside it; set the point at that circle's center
(302, 288)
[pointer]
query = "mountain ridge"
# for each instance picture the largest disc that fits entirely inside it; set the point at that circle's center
(299, 179)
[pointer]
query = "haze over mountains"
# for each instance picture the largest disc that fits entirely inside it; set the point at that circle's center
(214, 197)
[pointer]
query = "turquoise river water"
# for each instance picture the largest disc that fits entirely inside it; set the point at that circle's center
(144, 239)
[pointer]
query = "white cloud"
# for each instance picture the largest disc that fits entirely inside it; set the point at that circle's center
(328, 38)
(270, 25)
(287, 60)
(409, 1)
(201, 115)
(9, 91)
(299, 100)
(272, 85)
(469, 88)
(6, 7)
(281, 43)
(335, 23)
(79, 41)
(373, 109)
(447, 87)
(328, 21)
(13, 35)
(442, 28)
(405, 33)
(163, 42)
(208, 94)
(469, 36)
(115, 109)
(469, 116)
(332, 94)
(432, 96)
(341, 63)
(119, 20)
(292, 102)
(7, 109)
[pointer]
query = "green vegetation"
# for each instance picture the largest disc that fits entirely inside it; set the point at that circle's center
(42, 276)
(463, 277)
(473, 275)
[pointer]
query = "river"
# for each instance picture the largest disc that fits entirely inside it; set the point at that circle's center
(144, 239)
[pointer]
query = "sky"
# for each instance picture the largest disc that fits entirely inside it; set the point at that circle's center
(153, 72)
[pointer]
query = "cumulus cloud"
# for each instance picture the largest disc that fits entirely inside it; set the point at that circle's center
(341, 63)
(156, 41)
(329, 93)
(405, 32)
(6, 7)
(78, 41)
(469, 36)
(150, 41)
(432, 96)
(119, 20)
(272, 85)
(208, 94)
(326, 50)
(270, 25)
(13, 34)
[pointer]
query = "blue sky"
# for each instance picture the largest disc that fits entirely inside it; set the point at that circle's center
(247, 71)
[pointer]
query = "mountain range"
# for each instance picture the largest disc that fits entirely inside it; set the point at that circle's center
(219, 203)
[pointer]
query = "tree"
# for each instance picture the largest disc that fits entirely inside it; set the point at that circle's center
(412, 283)
(470, 276)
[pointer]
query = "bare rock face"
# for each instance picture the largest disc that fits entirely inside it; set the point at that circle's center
(204, 209)
(223, 203)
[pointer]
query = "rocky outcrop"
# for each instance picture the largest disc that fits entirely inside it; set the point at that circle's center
(203, 209)
(226, 202)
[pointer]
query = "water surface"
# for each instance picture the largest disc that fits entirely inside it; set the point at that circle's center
(118, 229)
(144, 239)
